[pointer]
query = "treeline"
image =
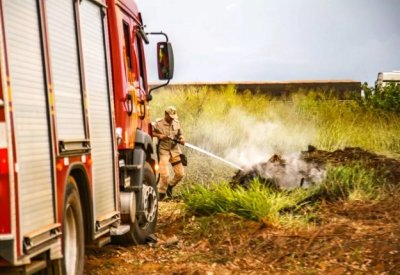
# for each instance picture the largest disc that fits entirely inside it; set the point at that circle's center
(386, 98)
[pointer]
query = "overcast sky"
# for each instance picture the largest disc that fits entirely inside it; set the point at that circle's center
(271, 40)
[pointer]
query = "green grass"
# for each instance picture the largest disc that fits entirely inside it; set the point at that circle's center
(255, 203)
(283, 207)
(352, 183)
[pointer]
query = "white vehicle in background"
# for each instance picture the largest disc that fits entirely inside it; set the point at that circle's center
(385, 78)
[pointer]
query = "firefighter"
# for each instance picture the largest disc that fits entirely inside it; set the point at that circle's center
(169, 133)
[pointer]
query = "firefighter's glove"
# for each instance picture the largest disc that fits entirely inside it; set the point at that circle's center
(174, 140)
(181, 140)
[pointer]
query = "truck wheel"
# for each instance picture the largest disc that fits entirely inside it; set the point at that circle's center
(146, 222)
(73, 235)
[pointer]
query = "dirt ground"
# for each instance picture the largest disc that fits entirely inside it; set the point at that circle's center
(355, 237)
(349, 238)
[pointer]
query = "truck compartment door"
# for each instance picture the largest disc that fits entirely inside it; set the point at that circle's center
(97, 78)
(30, 113)
(65, 70)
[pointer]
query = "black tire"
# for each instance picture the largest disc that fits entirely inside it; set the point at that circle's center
(142, 228)
(73, 231)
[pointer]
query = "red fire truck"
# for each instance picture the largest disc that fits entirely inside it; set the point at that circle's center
(77, 162)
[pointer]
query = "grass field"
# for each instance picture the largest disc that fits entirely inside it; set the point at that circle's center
(246, 129)
(231, 124)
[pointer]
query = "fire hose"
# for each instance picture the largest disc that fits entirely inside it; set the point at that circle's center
(198, 149)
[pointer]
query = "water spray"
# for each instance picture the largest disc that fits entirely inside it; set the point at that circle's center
(212, 155)
(176, 141)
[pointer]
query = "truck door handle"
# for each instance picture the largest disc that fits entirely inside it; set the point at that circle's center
(142, 109)
(128, 104)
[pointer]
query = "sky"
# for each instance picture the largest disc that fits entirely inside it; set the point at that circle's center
(271, 40)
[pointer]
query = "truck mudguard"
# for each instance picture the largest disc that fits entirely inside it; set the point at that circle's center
(143, 140)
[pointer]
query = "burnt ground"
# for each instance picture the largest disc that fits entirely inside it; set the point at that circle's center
(389, 168)
(358, 237)
(310, 165)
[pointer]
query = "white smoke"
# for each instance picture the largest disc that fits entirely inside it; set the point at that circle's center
(249, 141)
(290, 171)
(262, 138)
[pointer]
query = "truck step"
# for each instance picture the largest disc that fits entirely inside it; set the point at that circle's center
(120, 230)
(130, 167)
(35, 266)
(102, 241)
(32, 268)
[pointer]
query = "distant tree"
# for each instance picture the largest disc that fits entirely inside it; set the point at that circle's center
(385, 98)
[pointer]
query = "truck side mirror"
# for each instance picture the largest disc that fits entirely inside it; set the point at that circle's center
(165, 61)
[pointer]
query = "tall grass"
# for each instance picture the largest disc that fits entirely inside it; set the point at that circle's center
(232, 124)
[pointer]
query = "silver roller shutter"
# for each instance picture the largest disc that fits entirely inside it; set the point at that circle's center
(65, 69)
(96, 74)
(30, 114)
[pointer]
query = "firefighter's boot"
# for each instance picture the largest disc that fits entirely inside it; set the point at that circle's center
(169, 191)
(161, 196)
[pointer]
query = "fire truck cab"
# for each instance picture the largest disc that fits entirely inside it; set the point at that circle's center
(77, 163)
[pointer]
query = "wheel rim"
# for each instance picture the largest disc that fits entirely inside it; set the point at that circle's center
(150, 203)
(70, 243)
